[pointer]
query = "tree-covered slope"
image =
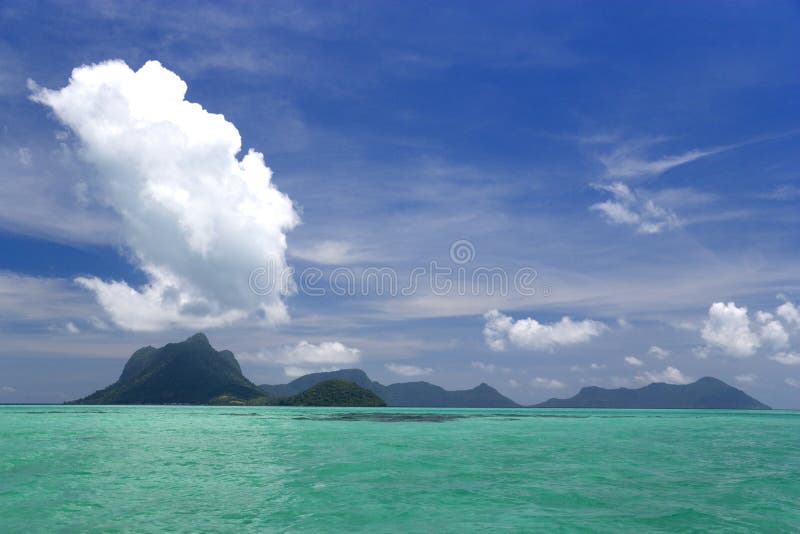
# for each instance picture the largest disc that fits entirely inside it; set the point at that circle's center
(333, 393)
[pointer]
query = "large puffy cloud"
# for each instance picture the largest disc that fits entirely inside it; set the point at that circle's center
(530, 334)
(195, 217)
(730, 329)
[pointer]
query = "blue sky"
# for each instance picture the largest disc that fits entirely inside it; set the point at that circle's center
(642, 158)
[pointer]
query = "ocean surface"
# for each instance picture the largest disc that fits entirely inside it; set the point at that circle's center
(238, 469)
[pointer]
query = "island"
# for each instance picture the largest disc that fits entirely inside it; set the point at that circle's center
(193, 372)
(706, 393)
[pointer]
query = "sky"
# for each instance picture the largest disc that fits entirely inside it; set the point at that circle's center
(536, 195)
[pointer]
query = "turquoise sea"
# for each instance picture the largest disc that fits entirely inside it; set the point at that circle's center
(234, 469)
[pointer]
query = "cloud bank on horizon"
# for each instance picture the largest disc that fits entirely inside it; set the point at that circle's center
(194, 217)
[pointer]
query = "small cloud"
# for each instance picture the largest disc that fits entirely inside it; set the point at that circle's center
(328, 253)
(670, 375)
(634, 361)
(513, 383)
(25, 157)
(789, 313)
(746, 379)
(793, 382)
(658, 352)
(597, 366)
(547, 383)
(786, 358)
(292, 371)
(782, 193)
(488, 367)
(98, 324)
(532, 335)
(633, 207)
(7, 389)
(685, 325)
(304, 357)
(408, 370)
(68, 328)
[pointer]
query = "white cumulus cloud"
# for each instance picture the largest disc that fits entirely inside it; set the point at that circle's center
(730, 329)
(327, 352)
(530, 334)
(789, 313)
(547, 383)
(670, 375)
(488, 367)
(786, 358)
(195, 217)
(408, 370)
(658, 352)
(304, 357)
(634, 361)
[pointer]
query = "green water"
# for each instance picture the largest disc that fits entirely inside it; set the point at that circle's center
(222, 469)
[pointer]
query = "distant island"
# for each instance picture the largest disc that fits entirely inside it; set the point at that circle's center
(405, 394)
(706, 393)
(333, 393)
(193, 372)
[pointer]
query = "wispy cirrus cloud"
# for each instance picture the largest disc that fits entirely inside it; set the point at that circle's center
(631, 207)
(628, 162)
(408, 370)
(329, 252)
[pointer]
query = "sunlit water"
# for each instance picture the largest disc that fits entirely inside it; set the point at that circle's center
(222, 469)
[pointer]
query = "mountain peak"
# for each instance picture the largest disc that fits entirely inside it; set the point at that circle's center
(198, 338)
(189, 372)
